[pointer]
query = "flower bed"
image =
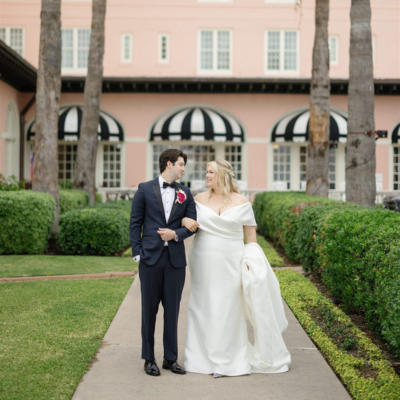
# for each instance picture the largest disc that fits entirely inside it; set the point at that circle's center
(356, 360)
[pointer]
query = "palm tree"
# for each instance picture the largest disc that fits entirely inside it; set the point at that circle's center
(360, 157)
(48, 89)
(87, 147)
(318, 141)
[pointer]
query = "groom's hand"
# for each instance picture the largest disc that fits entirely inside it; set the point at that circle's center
(166, 234)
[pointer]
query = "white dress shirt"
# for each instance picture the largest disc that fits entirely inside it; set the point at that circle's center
(168, 197)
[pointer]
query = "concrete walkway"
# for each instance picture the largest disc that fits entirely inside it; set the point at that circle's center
(117, 372)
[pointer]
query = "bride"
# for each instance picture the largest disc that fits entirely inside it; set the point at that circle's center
(225, 287)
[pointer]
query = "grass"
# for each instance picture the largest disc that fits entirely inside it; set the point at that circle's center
(17, 266)
(50, 331)
(274, 259)
(355, 359)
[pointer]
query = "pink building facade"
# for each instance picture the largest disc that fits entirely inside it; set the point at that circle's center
(218, 79)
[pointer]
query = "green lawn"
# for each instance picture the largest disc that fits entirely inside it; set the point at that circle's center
(14, 266)
(50, 331)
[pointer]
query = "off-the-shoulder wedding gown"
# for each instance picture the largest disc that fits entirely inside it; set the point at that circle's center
(216, 340)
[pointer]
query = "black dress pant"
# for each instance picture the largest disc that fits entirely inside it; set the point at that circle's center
(163, 283)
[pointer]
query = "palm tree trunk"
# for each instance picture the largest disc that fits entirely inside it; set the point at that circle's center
(318, 141)
(48, 89)
(85, 167)
(360, 157)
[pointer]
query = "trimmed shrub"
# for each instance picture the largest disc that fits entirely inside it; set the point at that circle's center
(347, 349)
(25, 221)
(356, 251)
(115, 205)
(94, 231)
(99, 198)
(276, 214)
(308, 226)
(359, 251)
(71, 199)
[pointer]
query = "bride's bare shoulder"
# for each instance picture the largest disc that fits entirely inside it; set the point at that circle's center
(201, 197)
(239, 199)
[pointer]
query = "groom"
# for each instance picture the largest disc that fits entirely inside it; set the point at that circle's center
(158, 208)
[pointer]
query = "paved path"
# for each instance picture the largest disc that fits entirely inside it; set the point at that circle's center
(117, 372)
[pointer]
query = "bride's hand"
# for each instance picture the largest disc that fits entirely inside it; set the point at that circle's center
(190, 224)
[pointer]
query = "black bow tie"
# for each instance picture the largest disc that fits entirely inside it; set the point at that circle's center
(166, 184)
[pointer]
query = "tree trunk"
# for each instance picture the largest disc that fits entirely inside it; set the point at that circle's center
(360, 157)
(318, 141)
(85, 167)
(48, 89)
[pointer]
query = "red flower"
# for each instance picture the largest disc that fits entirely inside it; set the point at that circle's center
(180, 196)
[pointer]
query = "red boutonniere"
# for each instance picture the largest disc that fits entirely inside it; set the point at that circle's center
(180, 196)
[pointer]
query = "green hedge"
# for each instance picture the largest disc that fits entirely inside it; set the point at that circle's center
(71, 199)
(356, 251)
(25, 221)
(123, 205)
(276, 214)
(348, 350)
(94, 231)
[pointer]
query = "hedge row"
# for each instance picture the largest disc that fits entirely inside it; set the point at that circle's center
(276, 214)
(94, 231)
(25, 221)
(355, 250)
(346, 348)
(71, 199)
(26, 218)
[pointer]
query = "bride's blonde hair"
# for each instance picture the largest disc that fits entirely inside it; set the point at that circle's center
(224, 179)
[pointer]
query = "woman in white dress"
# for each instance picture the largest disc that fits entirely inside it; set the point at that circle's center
(217, 341)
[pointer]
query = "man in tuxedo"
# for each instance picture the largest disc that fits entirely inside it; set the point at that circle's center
(158, 208)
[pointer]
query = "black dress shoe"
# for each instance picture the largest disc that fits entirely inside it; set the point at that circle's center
(151, 368)
(173, 366)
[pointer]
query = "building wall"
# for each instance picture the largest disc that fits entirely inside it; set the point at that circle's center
(181, 19)
(257, 114)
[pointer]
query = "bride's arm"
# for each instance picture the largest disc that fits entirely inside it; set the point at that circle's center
(189, 224)
(250, 234)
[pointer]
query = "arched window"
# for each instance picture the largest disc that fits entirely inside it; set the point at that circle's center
(396, 156)
(289, 137)
(109, 170)
(204, 133)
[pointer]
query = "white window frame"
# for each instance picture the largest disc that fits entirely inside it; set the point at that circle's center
(8, 37)
(282, 71)
(130, 38)
(331, 61)
(219, 153)
(161, 36)
(75, 68)
(214, 70)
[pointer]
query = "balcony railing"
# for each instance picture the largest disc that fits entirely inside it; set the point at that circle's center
(127, 193)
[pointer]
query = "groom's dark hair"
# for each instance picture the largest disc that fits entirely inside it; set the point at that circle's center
(170, 155)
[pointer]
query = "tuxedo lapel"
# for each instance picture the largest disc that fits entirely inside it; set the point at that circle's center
(157, 194)
(176, 204)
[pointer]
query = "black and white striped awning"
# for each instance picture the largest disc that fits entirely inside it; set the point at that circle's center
(69, 126)
(396, 134)
(197, 124)
(294, 127)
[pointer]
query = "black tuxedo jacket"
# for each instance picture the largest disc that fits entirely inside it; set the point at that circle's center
(148, 213)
